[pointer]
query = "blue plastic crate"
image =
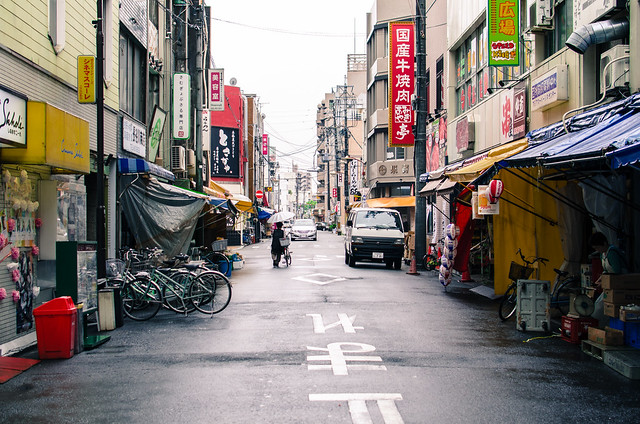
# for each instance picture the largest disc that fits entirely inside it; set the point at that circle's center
(631, 331)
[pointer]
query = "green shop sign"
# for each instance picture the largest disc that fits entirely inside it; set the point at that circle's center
(504, 34)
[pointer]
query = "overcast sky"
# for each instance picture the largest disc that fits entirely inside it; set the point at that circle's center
(289, 53)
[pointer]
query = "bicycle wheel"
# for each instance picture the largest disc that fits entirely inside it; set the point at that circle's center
(218, 261)
(429, 261)
(210, 292)
(562, 297)
(175, 291)
(141, 299)
(287, 258)
(508, 302)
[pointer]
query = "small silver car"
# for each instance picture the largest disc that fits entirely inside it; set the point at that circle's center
(303, 229)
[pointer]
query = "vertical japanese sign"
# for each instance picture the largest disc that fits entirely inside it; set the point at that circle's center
(225, 152)
(504, 32)
(401, 83)
(86, 79)
(181, 106)
(265, 145)
(215, 98)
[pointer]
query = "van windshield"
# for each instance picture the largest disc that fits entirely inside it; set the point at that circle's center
(378, 219)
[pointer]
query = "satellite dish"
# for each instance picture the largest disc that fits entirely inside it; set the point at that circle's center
(233, 81)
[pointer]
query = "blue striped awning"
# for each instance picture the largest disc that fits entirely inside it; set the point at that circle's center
(141, 166)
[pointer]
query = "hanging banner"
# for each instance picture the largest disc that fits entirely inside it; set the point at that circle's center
(504, 32)
(401, 83)
(215, 97)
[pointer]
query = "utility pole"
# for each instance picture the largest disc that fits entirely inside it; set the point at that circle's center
(337, 164)
(346, 149)
(420, 149)
(198, 101)
(100, 215)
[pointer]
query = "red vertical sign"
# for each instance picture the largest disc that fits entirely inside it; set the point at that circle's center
(265, 144)
(401, 83)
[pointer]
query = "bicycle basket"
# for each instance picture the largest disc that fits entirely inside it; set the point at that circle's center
(284, 242)
(138, 266)
(219, 245)
(519, 272)
(115, 268)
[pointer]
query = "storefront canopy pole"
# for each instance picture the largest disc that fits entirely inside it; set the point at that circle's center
(614, 196)
(438, 209)
(554, 194)
(550, 221)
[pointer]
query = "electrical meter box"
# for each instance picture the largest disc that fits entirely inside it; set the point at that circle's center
(532, 307)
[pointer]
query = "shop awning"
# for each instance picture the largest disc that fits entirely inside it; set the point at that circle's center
(624, 156)
(441, 185)
(593, 143)
(392, 202)
(141, 166)
(241, 202)
(473, 171)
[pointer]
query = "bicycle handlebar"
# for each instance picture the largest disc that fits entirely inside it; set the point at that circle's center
(532, 261)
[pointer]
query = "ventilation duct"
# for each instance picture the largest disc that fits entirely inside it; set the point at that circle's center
(597, 33)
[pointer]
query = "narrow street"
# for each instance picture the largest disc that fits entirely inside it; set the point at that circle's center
(320, 342)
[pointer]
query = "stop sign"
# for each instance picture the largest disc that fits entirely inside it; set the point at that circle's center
(259, 194)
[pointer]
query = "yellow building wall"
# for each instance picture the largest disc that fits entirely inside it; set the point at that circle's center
(515, 228)
(24, 29)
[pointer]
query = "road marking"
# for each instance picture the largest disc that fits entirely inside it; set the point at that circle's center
(343, 320)
(320, 279)
(336, 354)
(358, 407)
(315, 258)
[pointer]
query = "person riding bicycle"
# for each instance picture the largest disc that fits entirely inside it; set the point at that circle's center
(276, 248)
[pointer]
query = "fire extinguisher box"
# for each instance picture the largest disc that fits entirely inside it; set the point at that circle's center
(56, 328)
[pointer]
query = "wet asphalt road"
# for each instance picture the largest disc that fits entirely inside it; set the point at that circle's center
(320, 342)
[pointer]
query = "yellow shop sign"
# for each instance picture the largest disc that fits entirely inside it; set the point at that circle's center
(55, 138)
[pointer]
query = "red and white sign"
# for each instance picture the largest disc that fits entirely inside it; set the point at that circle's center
(265, 144)
(401, 83)
(259, 194)
(334, 192)
(216, 89)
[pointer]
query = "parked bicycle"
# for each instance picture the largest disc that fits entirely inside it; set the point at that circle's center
(517, 272)
(431, 260)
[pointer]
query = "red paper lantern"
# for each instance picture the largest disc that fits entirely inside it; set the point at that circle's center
(494, 191)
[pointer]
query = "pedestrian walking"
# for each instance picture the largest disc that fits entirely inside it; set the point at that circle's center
(276, 248)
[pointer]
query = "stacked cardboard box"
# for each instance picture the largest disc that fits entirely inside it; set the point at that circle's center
(619, 290)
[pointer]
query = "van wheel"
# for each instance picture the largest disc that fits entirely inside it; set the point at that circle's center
(346, 257)
(389, 264)
(352, 261)
(397, 264)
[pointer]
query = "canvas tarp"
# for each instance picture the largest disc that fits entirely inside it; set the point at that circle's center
(160, 215)
(515, 229)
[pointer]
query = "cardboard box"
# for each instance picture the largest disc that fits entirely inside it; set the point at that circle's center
(629, 315)
(624, 296)
(607, 337)
(620, 281)
(612, 309)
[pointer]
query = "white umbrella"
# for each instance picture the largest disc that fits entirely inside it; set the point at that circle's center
(280, 216)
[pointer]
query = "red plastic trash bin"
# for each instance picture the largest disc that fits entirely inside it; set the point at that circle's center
(56, 328)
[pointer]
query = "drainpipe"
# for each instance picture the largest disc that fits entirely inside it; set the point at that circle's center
(597, 33)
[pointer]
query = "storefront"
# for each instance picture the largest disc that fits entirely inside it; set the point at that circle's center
(43, 200)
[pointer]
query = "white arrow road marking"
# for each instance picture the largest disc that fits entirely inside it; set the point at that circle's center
(320, 279)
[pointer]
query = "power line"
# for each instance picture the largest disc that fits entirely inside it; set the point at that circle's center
(284, 31)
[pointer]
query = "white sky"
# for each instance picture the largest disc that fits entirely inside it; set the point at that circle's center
(289, 53)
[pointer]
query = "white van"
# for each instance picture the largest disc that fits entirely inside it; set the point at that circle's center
(374, 235)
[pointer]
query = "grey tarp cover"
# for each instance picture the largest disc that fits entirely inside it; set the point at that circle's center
(160, 215)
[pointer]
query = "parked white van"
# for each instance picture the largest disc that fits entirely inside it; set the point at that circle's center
(374, 235)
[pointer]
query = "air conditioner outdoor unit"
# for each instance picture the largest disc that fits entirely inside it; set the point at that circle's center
(618, 72)
(540, 13)
(178, 159)
(191, 162)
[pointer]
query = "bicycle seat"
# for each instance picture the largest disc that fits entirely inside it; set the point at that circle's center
(191, 267)
(182, 256)
(561, 273)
